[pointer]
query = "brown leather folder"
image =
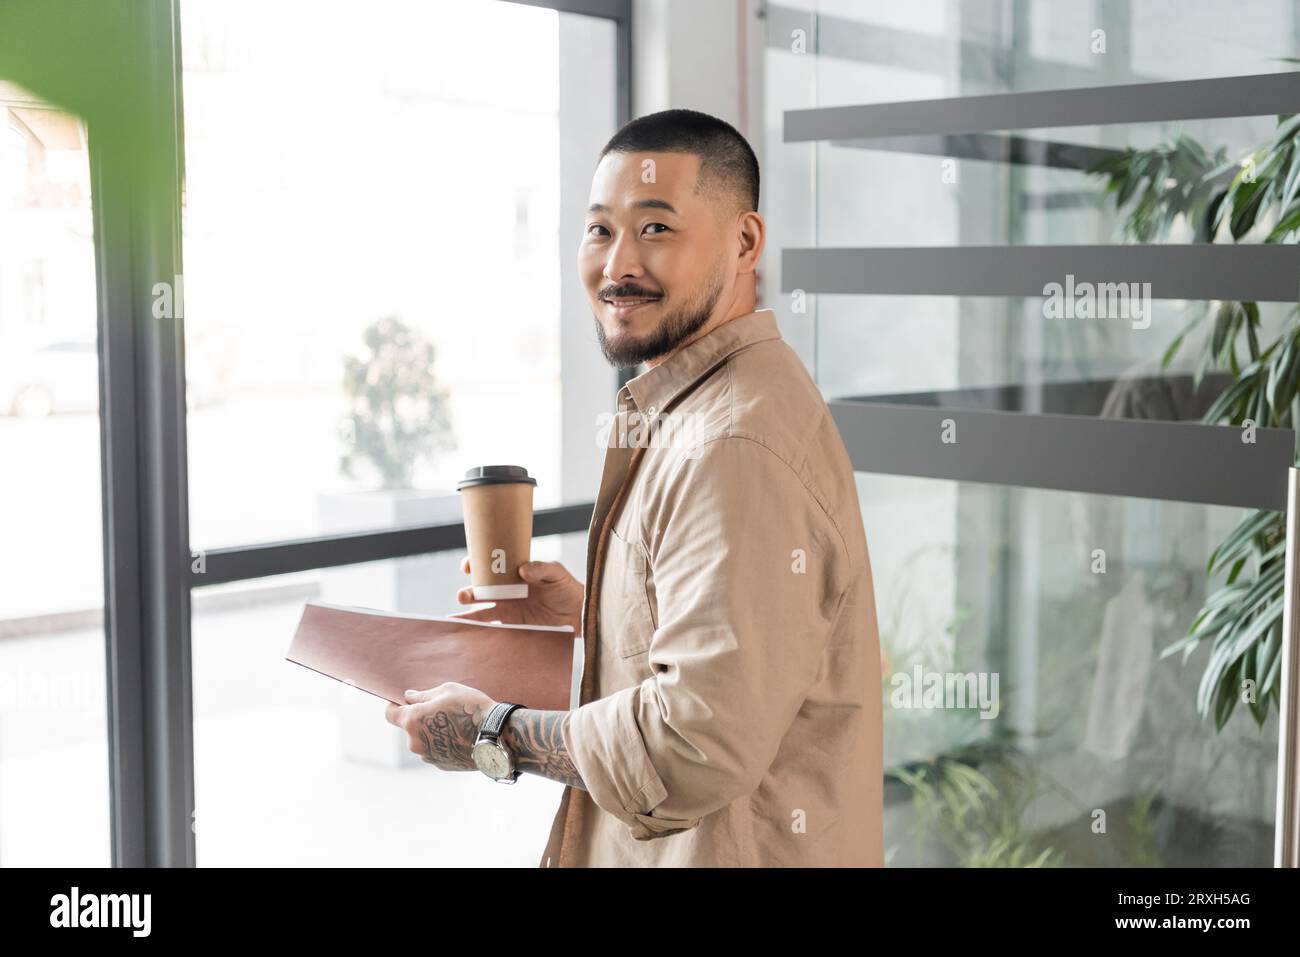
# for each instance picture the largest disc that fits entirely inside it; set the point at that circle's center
(385, 653)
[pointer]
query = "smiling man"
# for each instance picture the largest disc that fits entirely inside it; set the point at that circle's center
(730, 709)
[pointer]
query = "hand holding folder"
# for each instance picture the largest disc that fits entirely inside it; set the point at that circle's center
(385, 653)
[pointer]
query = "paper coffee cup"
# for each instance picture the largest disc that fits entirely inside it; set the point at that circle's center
(497, 502)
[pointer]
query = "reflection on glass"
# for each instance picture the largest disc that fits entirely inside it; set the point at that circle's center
(1057, 605)
(875, 52)
(1095, 754)
(1044, 187)
(53, 735)
(1039, 187)
(1006, 355)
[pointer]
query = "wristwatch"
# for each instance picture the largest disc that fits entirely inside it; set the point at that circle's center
(491, 756)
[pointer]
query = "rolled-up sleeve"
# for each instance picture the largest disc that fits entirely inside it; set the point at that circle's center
(748, 574)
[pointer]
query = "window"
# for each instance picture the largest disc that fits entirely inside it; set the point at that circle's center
(54, 802)
(380, 292)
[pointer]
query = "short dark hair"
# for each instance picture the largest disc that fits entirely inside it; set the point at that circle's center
(727, 162)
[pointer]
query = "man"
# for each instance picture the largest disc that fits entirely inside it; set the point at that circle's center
(730, 711)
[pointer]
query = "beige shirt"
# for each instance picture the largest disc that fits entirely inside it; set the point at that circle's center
(730, 706)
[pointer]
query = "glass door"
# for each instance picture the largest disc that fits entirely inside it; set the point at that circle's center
(1048, 273)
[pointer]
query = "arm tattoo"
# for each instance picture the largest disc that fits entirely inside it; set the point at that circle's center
(538, 745)
(448, 738)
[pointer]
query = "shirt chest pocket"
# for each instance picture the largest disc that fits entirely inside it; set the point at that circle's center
(626, 617)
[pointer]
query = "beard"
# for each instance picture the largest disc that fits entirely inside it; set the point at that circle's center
(626, 351)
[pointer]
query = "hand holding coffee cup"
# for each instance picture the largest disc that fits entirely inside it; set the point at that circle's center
(554, 598)
(497, 501)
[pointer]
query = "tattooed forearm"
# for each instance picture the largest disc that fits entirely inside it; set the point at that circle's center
(448, 738)
(538, 746)
(534, 737)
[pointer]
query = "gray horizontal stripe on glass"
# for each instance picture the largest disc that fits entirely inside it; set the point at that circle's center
(990, 148)
(1172, 461)
(1249, 272)
(1258, 95)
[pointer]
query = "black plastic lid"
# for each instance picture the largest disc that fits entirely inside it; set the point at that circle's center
(495, 475)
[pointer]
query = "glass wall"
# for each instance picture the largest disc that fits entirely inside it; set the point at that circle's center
(53, 713)
(1036, 187)
(1069, 599)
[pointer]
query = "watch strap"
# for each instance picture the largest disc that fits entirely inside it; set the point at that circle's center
(496, 719)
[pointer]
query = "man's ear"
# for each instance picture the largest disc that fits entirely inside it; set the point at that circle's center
(752, 234)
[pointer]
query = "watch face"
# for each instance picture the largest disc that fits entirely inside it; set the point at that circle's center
(491, 759)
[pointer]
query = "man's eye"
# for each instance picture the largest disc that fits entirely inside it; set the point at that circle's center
(660, 225)
(594, 226)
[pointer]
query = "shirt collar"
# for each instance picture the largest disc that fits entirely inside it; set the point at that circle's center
(656, 388)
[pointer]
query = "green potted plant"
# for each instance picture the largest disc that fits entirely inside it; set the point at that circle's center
(972, 801)
(1230, 199)
(398, 414)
